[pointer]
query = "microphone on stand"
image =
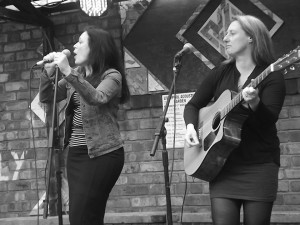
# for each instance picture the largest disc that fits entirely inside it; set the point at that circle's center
(187, 49)
(65, 51)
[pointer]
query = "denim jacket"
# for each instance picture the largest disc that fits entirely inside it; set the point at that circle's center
(98, 107)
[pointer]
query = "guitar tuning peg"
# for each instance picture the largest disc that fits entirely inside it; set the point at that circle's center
(285, 71)
(292, 67)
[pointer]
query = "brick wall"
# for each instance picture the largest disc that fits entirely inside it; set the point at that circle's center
(141, 184)
(289, 134)
(17, 186)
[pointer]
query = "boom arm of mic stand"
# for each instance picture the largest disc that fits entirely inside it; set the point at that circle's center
(161, 129)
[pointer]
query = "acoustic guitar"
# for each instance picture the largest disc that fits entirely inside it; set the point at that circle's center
(219, 126)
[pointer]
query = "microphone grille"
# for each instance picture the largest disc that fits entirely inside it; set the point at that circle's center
(66, 52)
(189, 47)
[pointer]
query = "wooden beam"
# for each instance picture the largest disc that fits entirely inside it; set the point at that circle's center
(61, 8)
(4, 3)
(27, 7)
(8, 14)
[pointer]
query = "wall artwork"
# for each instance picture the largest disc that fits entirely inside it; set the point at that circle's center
(153, 31)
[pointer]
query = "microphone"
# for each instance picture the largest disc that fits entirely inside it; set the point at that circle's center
(65, 51)
(187, 48)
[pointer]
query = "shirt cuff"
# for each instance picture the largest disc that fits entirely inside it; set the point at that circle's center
(74, 75)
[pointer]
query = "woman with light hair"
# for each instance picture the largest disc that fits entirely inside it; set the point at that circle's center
(249, 177)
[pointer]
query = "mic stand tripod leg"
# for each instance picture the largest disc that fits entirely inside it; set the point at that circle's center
(166, 175)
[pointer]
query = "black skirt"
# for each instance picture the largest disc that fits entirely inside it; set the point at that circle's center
(258, 182)
(90, 182)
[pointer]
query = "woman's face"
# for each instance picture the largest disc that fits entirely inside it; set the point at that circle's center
(82, 50)
(236, 39)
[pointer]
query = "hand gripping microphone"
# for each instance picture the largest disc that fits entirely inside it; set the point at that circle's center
(65, 51)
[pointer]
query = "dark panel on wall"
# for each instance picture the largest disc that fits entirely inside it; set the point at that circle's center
(288, 35)
(153, 42)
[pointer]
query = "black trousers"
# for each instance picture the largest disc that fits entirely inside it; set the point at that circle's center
(90, 182)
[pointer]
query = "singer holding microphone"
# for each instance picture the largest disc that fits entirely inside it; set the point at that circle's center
(93, 91)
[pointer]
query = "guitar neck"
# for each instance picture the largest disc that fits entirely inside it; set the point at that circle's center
(289, 59)
(239, 97)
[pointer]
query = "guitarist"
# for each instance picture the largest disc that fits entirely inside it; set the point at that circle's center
(249, 178)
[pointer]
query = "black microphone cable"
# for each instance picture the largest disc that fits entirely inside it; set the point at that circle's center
(32, 131)
(173, 152)
(33, 144)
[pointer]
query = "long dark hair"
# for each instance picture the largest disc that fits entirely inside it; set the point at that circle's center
(104, 55)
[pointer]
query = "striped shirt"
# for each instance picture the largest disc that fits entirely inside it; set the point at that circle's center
(77, 135)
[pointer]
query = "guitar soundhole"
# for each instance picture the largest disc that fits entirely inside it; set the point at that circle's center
(216, 121)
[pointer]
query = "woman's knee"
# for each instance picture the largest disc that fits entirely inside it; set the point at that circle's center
(225, 211)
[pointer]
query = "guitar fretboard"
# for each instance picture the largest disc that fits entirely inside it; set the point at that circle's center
(239, 97)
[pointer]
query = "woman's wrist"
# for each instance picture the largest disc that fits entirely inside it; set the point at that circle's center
(67, 71)
(254, 104)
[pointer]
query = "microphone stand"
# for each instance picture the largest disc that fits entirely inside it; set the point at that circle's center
(161, 133)
(54, 146)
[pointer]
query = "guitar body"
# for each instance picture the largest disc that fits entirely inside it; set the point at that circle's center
(217, 136)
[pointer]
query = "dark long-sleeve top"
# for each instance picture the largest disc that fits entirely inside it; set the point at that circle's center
(259, 142)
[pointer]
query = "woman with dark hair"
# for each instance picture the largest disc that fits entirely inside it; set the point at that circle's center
(249, 177)
(93, 91)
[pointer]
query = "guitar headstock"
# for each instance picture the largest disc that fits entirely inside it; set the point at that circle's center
(289, 60)
(291, 68)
